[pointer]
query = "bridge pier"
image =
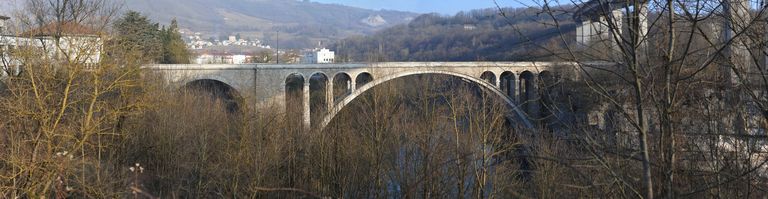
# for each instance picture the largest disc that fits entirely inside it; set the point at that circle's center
(605, 22)
(736, 48)
(306, 113)
(329, 95)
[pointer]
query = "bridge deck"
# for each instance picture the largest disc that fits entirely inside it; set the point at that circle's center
(268, 85)
(352, 65)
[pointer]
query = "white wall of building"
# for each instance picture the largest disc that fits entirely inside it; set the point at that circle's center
(80, 49)
(239, 59)
(222, 59)
(322, 56)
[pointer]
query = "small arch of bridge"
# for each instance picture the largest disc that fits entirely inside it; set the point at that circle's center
(363, 78)
(489, 77)
(342, 85)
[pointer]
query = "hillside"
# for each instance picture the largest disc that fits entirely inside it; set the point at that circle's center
(479, 35)
(300, 23)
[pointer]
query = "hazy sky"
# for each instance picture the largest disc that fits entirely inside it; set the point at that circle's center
(449, 7)
(427, 6)
(6, 6)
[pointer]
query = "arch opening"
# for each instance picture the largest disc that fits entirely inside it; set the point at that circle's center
(508, 84)
(294, 100)
(318, 96)
(214, 91)
(362, 79)
(548, 79)
(342, 86)
(489, 77)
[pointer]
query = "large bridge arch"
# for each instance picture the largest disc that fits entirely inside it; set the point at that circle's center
(210, 83)
(240, 77)
(207, 77)
(216, 90)
(340, 105)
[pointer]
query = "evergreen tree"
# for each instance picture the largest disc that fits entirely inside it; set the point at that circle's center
(174, 48)
(137, 39)
(144, 41)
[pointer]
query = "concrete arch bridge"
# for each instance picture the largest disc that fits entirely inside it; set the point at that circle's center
(336, 85)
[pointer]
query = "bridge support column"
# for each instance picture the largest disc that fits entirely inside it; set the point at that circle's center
(306, 115)
(329, 96)
(534, 105)
(736, 19)
(514, 89)
(604, 22)
(643, 20)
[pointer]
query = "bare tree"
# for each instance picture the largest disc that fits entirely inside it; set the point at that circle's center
(66, 110)
(668, 60)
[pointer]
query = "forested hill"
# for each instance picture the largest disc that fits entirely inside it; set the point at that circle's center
(479, 35)
(299, 21)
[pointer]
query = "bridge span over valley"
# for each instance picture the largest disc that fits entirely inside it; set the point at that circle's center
(274, 85)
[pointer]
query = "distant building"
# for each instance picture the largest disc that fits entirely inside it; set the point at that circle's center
(469, 27)
(321, 56)
(241, 59)
(223, 58)
(75, 43)
(78, 42)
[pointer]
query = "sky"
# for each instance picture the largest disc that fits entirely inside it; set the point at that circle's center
(6, 6)
(448, 7)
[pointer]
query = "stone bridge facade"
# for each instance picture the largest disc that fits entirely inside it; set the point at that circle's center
(276, 85)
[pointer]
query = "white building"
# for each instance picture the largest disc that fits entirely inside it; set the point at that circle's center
(223, 58)
(78, 43)
(75, 44)
(321, 56)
